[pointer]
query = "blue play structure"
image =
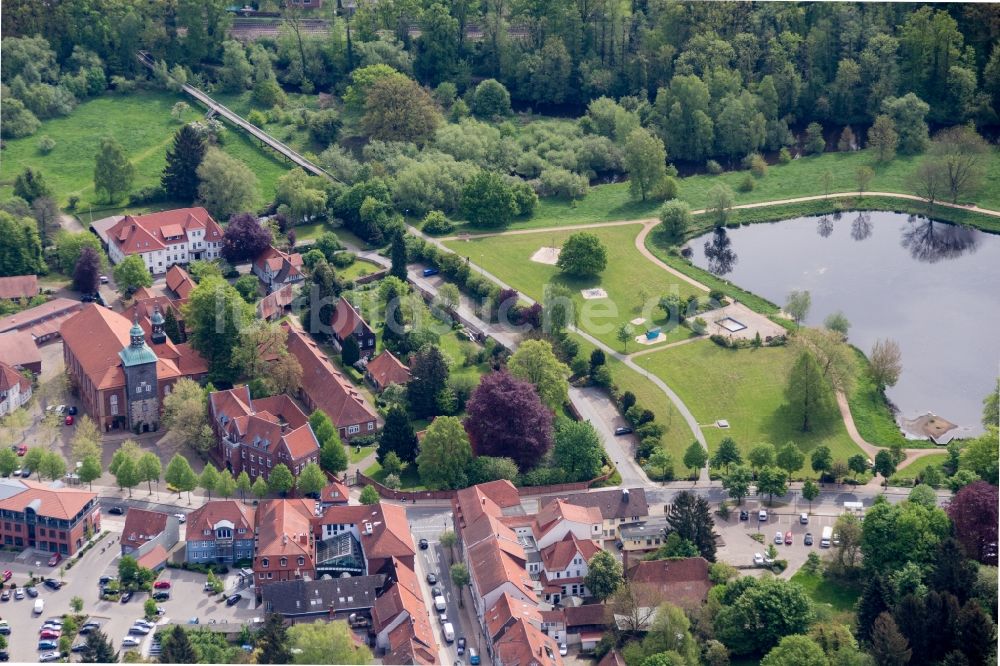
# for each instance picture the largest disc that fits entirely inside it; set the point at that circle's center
(653, 334)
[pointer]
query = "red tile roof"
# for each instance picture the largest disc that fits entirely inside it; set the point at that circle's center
(274, 304)
(145, 233)
(212, 512)
(142, 526)
(613, 504)
(19, 348)
(274, 259)
(612, 659)
(386, 369)
(61, 503)
(25, 319)
(525, 645)
(275, 419)
(413, 641)
(179, 282)
(335, 492)
(284, 408)
(556, 512)
(284, 528)
(485, 498)
(326, 387)
(390, 535)
(492, 567)
(559, 555)
(156, 556)
(345, 319)
(588, 614)
(19, 286)
(683, 582)
(506, 611)
(9, 378)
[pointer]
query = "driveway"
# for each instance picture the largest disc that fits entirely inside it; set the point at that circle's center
(595, 406)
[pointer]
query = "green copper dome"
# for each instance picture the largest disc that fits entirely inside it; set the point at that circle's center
(157, 318)
(136, 332)
(138, 352)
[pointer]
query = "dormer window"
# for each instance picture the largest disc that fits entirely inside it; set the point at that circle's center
(284, 562)
(264, 562)
(302, 561)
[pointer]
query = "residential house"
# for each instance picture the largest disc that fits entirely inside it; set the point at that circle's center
(641, 537)
(285, 548)
(276, 304)
(345, 322)
(17, 287)
(506, 611)
(15, 389)
(277, 269)
(334, 494)
(618, 507)
(18, 349)
(362, 540)
(43, 322)
(257, 435)
(682, 582)
(49, 518)
(559, 518)
(525, 645)
(386, 369)
(120, 377)
(220, 531)
(328, 598)
(400, 620)
(324, 387)
(166, 238)
(141, 527)
(564, 566)
(179, 282)
(577, 625)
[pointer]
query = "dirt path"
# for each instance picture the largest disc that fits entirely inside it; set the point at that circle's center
(869, 448)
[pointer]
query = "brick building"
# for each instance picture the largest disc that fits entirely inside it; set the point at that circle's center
(50, 519)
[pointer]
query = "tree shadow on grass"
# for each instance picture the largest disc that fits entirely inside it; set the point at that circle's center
(783, 425)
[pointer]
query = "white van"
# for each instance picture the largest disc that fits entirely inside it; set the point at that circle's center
(39, 606)
(449, 632)
(440, 604)
(824, 541)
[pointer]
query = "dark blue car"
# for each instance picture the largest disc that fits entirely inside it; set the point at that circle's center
(430, 271)
(47, 645)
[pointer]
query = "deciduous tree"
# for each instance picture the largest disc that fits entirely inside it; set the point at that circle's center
(226, 185)
(973, 513)
(774, 606)
(695, 456)
(577, 450)
(214, 316)
(675, 218)
(882, 138)
(398, 109)
(488, 201)
(646, 163)
(810, 491)
(311, 480)
(149, 468)
(185, 414)
(445, 454)
(244, 238)
(961, 151)
(87, 271)
(796, 651)
(326, 643)
(797, 305)
(180, 475)
(582, 255)
(507, 418)
(772, 481)
(535, 362)
(808, 394)
(113, 172)
(727, 454)
(130, 274)
(737, 482)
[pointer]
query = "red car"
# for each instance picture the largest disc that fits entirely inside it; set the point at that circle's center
(7, 575)
(69, 420)
(162, 585)
(788, 538)
(52, 634)
(55, 559)
(21, 450)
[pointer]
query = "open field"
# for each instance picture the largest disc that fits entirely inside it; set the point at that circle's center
(802, 177)
(630, 280)
(142, 124)
(906, 475)
(678, 435)
(747, 388)
(824, 591)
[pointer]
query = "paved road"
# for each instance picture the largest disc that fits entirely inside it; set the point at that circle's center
(595, 407)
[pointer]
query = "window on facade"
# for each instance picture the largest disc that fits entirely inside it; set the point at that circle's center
(371, 426)
(264, 562)
(149, 388)
(284, 562)
(353, 429)
(302, 561)
(138, 389)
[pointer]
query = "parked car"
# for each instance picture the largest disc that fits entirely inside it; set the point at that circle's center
(4, 628)
(145, 623)
(803, 519)
(7, 575)
(69, 420)
(130, 641)
(52, 583)
(138, 629)
(207, 587)
(744, 515)
(181, 518)
(430, 271)
(563, 649)
(808, 540)
(54, 560)
(72, 410)
(473, 657)
(233, 600)
(19, 594)
(435, 592)
(21, 450)
(5, 595)
(50, 633)
(47, 645)
(116, 511)
(779, 537)
(104, 279)
(89, 627)
(758, 560)
(423, 544)
(31, 592)
(623, 430)
(768, 560)
(4, 655)
(79, 647)
(25, 473)
(162, 585)
(126, 597)
(432, 579)
(460, 645)
(762, 515)
(161, 595)
(788, 538)
(46, 657)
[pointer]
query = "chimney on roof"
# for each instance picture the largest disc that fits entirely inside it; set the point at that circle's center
(284, 539)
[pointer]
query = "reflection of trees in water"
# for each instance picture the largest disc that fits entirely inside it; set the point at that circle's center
(824, 226)
(932, 241)
(861, 227)
(719, 253)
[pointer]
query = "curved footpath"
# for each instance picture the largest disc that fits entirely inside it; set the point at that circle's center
(640, 244)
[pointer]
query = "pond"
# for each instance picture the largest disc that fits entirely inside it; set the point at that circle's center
(931, 286)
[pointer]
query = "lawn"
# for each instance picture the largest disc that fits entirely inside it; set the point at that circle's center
(747, 388)
(871, 413)
(630, 280)
(839, 596)
(409, 479)
(142, 124)
(803, 177)
(906, 475)
(678, 435)
(359, 268)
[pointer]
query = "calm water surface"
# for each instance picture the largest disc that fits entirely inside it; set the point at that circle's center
(931, 286)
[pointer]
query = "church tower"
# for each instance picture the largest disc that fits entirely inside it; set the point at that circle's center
(156, 323)
(141, 390)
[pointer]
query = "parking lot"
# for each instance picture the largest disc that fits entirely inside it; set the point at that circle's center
(739, 547)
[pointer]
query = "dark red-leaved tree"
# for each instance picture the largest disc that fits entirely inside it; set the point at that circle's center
(973, 511)
(507, 418)
(244, 238)
(87, 271)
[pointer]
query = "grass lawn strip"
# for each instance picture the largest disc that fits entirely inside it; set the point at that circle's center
(839, 596)
(629, 279)
(906, 475)
(747, 388)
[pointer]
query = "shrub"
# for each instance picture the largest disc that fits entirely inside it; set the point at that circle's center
(73, 201)
(342, 259)
(720, 340)
(747, 184)
(698, 325)
(716, 295)
(713, 167)
(758, 166)
(46, 144)
(784, 157)
(436, 223)
(524, 197)
(562, 183)
(258, 118)
(146, 195)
